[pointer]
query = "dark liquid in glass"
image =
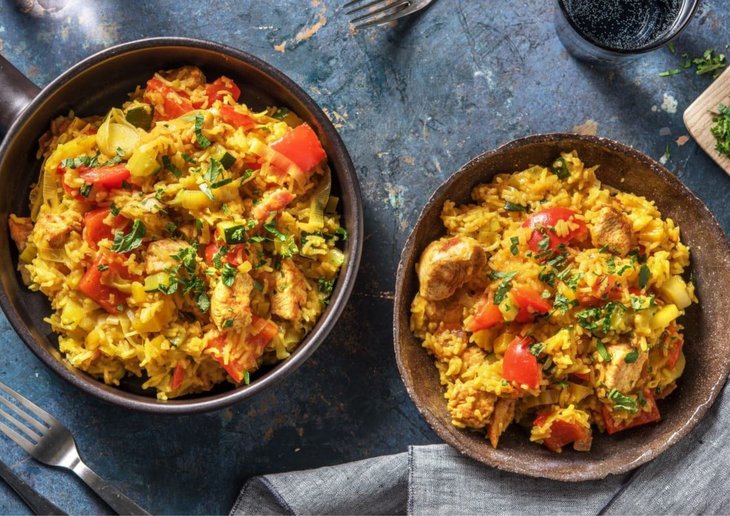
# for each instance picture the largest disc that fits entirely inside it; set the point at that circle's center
(622, 24)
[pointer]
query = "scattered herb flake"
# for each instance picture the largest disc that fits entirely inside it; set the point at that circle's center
(228, 275)
(198, 128)
(720, 129)
(601, 348)
(132, 240)
(560, 168)
(514, 245)
(167, 165)
(643, 276)
(510, 206)
(631, 357)
(621, 401)
(102, 267)
(668, 73)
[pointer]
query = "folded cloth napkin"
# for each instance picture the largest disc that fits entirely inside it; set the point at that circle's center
(691, 477)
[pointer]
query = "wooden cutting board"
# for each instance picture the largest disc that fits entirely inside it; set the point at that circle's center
(698, 117)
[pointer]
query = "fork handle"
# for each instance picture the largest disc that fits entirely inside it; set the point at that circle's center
(107, 492)
(37, 503)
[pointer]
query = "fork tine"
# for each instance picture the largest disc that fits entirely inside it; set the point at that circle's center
(35, 409)
(363, 6)
(20, 440)
(402, 10)
(397, 6)
(23, 414)
(20, 426)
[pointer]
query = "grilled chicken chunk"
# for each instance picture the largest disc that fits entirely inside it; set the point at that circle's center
(20, 229)
(612, 228)
(447, 264)
(230, 307)
(504, 412)
(621, 375)
(290, 291)
(55, 227)
(160, 253)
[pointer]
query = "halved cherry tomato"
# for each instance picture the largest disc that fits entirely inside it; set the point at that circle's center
(486, 315)
(519, 365)
(561, 433)
(530, 303)
(543, 223)
(230, 116)
(219, 87)
(235, 256)
(642, 418)
(91, 284)
(605, 289)
(95, 229)
(178, 376)
(302, 146)
(168, 102)
(273, 201)
(109, 177)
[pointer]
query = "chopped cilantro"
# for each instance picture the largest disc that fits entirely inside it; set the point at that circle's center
(203, 302)
(562, 304)
(167, 165)
(198, 128)
(720, 129)
(510, 206)
(102, 267)
(325, 285)
(514, 245)
(132, 240)
(537, 348)
(206, 190)
(187, 158)
(668, 73)
(215, 169)
(342, 233)
(228, 274)
(114, 209)
(560, 168)
(504, 286)
(709, 62)
(621, 401)
(631, 357)
(601, 348)
(643, 276)
(170, 228)
(271, 228)
(235, 234)
(85, 189)
(281, 113)
(246, 175)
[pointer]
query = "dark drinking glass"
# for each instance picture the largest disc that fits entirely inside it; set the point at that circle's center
(610, 30)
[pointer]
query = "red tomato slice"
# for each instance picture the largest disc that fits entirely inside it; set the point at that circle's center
(302, 146)
(91, 284)
(642, 418)
(218, 88)
(487, 315)
(104, 177)
(530, 303)
(168, 102)
(562, 433)
(519, 365)
(178, 376)
(545, 220)
(271, 202)
(230, 116)
(95, 229)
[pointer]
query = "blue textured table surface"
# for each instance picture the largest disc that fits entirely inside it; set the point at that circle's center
(413, 102)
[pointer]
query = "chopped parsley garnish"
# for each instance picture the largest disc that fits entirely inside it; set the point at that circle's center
(631, 357)
(228, 275)
(217, 259)
(102, 267)
(342, 233)
(132, 240)
(235, 234)
(643, 276)
(537, 348)
(246, 176)
(114, 209)
(85, 189)
(167, 165)
(271, 228)
(710, 62)
(562, 304)
(228, 323)
(601, 348)
(599, 320)
(510, 206)
(641, 302)
(199, 136)
(206, 190)
(544, 243)
(504, 286)
(621, 401)
(87, 161)
(546, 276)
(215, 169)
(325, 285)
(720, 129)
(560, 168)
(281, 113)
(222, 182)
(184, 276)
(227, 160)
(623, 269)
(187, 157)
(170, 228)
(203, 301)
(667, 73)
(514, 247)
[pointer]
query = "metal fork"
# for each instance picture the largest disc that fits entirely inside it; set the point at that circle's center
(48, 441)
(376, 12)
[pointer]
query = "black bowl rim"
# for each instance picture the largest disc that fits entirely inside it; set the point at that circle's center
(596, 471)
(340, 296)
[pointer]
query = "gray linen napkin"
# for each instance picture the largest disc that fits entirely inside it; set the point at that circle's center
(692, 477)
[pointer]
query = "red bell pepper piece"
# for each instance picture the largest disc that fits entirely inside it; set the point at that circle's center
(487, 315)
(178, 375)
(168, 102)
(217, 89)
(561, 433)
(96, 229)
(545, 220)
(230, 116)
(302, 146)
(109, 177)
(519, 365)
(530, 303)
(642, 418)
(92, 285)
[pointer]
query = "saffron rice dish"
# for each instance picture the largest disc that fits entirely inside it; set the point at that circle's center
(553, 302)
(181, 238)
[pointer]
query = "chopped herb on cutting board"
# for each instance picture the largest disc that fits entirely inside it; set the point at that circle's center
(720, 129)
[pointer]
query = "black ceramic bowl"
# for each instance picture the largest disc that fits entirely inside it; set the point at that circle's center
(92, 87)
(707, 334)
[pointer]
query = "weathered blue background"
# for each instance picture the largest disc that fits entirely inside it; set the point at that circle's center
(413, 102)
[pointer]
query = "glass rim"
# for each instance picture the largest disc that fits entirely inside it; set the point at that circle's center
(687, 11)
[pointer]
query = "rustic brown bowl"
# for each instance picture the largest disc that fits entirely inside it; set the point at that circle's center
(707, 343)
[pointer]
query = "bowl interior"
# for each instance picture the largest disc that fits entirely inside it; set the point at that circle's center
(103, 81)
(707, 337)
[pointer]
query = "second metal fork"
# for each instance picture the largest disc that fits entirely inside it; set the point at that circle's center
(376, 12)
(48, 441)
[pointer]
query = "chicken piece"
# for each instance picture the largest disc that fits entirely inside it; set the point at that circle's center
(470, 406)
(504, 412)
(447, 264)
(621, 375)
(159, 255)
(54, 228)
(230, 307)
(613, 229)
(290, 291)
(20, 229)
